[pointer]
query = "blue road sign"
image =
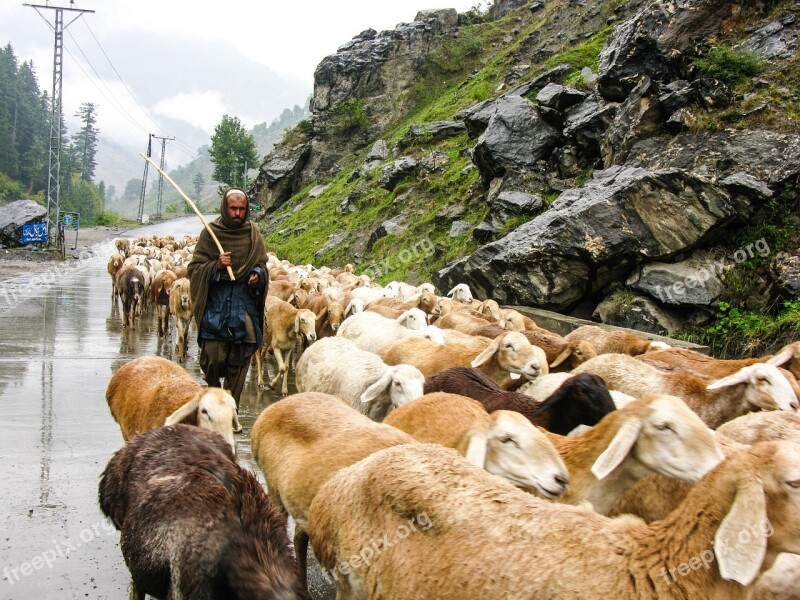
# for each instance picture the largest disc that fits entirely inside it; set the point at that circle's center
(35, 232)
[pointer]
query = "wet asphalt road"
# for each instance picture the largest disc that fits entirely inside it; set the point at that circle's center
(61, 341)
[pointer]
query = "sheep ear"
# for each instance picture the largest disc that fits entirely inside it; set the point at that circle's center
(562, 357)
(451, 292)
(322, 313)
(402, 318)
(739, 561)
(739, 376)
(185, 412)
(781, 357)
(476, 450)
(348, 309)
(297, 323)
(377, 388)
(486, 355)
(618, 449)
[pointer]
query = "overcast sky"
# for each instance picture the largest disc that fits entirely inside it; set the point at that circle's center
(288, 38)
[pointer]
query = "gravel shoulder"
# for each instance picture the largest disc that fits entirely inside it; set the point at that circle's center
(16, 262)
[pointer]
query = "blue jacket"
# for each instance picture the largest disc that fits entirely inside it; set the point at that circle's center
(226, 306)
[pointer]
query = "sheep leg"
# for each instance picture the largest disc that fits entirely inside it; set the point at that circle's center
(285, 387)
(135, 593)
(301, 552)
(281, 367)
(159, 319)
(259, 368)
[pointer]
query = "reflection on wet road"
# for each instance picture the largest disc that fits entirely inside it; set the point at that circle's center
(61, 342)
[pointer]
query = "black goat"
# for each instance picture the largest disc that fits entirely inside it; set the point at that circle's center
(579, 401)
(195, 524)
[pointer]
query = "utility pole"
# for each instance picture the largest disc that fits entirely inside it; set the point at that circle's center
(144, 178)
(164, 141)
(54, 161)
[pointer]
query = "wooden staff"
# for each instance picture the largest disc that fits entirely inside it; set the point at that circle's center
(194, 208)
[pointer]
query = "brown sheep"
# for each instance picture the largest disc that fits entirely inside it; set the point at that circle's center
(180, 305)
(509, 353)
(303, 440)
(193, 523)
(161, 288)
(151, 391)
(114, 265)
(131, 286)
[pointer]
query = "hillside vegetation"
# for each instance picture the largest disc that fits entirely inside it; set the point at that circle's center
(342, 206)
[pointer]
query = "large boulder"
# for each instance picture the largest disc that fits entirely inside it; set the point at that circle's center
(768, 156)
(16, 214)
(516, 138)
(657, 41)
(596, 234)
(278, 176)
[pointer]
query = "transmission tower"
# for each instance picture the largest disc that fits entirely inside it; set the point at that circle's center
(54, 161)
(164, 141)
(144, 178)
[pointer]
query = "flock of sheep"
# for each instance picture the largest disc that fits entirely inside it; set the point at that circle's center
(445, 447)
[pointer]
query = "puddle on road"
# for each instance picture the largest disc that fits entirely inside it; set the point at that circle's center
(61, 341)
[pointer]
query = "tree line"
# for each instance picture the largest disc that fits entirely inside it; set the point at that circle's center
(25, 119)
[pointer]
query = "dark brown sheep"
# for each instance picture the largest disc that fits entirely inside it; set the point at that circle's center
(579, 400)
(195, 524)
(130, 287)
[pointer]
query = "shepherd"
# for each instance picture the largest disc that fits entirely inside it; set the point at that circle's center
(229, 306)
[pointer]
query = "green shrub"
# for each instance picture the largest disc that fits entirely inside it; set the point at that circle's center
(109, 218)
(729, 65)
(349, 116)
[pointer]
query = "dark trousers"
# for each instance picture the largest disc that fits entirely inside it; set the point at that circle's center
(226, 361)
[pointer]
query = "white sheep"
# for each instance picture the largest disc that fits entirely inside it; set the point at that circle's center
(757, 386)
(461, 293)
(505, 443)
(371, 331)
(512, 545)
(336, 366)
(151, 391)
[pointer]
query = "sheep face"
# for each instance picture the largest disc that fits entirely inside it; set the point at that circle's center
(581, 352)
(414, 319)
(518, 452)
(401, 383)
(781, 484)
(305, 323)
(490, 308)
(356, 305)
(213, 409)
(512, 320)
(429, 304)
(335, 315)
(766, 388)
(515, 354)
(434, 334)
(666, 437)
(461, 293)
(766, 505)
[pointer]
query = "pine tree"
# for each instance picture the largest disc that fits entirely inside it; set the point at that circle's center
(85, 141)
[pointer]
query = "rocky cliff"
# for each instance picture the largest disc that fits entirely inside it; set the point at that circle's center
(614, 158)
